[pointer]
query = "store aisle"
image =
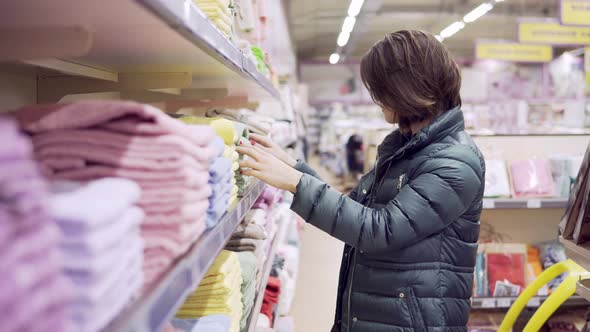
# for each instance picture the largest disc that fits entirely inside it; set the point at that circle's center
(315, 296)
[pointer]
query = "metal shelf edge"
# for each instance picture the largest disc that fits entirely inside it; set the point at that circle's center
(157, 306)
(578, 253)
(530, 203)
(490, 303)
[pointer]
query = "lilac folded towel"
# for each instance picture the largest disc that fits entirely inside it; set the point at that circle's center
(31, 282)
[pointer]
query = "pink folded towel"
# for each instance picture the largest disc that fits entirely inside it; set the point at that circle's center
(176, 195)
(146, 179)
(121, 116)
(162, 146)
(97, 154)
(175, 212)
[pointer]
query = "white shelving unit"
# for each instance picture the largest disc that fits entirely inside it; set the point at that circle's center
(525, 203)
(159, 304)
(491, 303)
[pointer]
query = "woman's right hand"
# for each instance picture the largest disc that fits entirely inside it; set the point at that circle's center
(273, 148)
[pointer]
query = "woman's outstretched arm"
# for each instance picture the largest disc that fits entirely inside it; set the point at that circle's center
(443, 188)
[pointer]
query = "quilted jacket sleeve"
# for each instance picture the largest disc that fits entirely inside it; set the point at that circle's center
(304, 168)
(441, 190)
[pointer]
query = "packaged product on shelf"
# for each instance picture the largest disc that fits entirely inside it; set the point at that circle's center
(552, 253)
(506, 268)
(34, 293)
(496, 179)
(170, 161)
(572, 225)
(531, 178)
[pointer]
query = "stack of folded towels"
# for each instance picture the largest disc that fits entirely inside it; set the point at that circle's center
(169, 160)
(101, 245)
(220, 12)
(34, 294)
(247, 236)
(271, 298)
(219, 293)
(248, 264)
(227, 131)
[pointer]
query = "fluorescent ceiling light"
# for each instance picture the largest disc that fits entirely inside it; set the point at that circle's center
(348, 24)
(334, 58)
(478, 12)
(439, 38)
(355, 7)
(343, 38)
(499, 0)
(452, 29)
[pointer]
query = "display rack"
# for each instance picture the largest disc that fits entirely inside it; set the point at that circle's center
(525, 203)
(111, 46)
(581, 255)
(159, 304)
(253, 319)
(491, 303)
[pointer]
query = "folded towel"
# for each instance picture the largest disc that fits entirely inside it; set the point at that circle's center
(219, 169)
(180, 178)
(217, 146)
(93, 204)
(250, 231)
(96, 154)
(243, 244)
(158, 146)
(176, 195)
(98, 240)
(257, 123)
(176, 211)
(119, 116)
(223, 127)
(211, 323)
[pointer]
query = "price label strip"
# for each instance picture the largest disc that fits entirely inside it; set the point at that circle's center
(533, 204)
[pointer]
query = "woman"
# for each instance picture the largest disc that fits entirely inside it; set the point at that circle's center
(411, 225)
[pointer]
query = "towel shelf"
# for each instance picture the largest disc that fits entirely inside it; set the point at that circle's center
(159, 304)
(253, 318)
(101, 40)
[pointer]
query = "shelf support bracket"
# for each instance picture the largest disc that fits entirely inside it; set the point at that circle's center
(44, 42)
(53, 89)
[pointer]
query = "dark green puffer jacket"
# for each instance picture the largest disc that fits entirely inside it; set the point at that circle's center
(410, 228)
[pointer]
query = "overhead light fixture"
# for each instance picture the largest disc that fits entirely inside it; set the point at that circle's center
(439, 38)
(343, 38)
(334, 58)
(452, 29)
(478, 12)
(499, 0)
(348, 24)
(355, 7)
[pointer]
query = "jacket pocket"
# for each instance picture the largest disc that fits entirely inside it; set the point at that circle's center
(411, 301)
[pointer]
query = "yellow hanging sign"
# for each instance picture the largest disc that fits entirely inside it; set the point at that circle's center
(514, 52)
(574, 12)
(552, 33)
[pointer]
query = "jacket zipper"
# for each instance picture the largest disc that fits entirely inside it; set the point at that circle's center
(400, 182)
(351, 280)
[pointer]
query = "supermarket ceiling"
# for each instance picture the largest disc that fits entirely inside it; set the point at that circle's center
(315, 24)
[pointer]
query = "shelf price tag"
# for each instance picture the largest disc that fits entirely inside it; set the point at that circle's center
(489, 204)
(533, 204)
(534, 302)
(488, 303)
(504, 302)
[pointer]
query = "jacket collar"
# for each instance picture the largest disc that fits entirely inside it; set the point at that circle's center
(397, 144)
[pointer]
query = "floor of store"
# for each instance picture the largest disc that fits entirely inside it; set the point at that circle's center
(315, 297)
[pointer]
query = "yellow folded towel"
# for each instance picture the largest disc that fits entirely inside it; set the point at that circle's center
(219, 3)
(223, 127)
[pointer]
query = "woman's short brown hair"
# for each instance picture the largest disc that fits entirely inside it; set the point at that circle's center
(412, 74)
